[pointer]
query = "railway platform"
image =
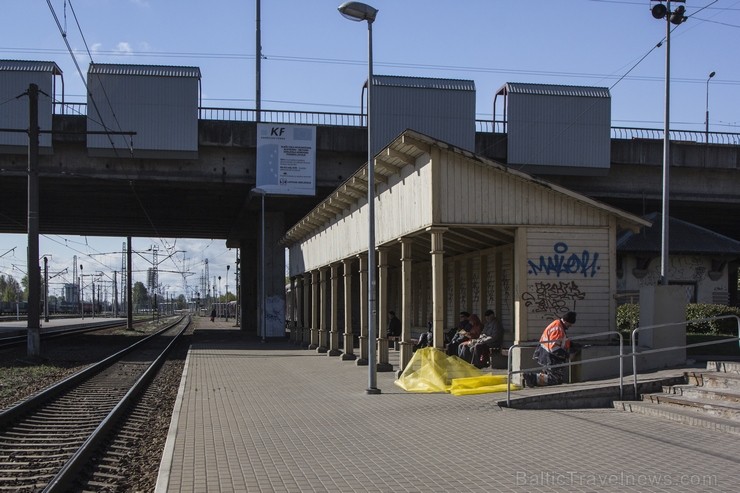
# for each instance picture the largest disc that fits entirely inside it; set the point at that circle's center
(272, 417)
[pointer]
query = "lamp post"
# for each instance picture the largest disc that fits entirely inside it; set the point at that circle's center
(676, 17)
(357, 11)
(220, 306)
(706, 121)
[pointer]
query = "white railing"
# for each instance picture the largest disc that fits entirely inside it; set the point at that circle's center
(510, 372)
(633, 340)
(634, 353)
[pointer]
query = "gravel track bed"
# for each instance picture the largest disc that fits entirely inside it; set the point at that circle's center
(20, 378)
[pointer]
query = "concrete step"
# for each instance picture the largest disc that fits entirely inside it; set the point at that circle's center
(710, 407)
(685, 416)
(715, 380)
(694, 392)
(724, 366)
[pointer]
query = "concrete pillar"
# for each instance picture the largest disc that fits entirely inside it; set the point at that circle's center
(663, 306)
(323, 299)
(349, 338)
(250, 268)
(364, 345)
(334, 317)
(306, 340)
(406, 303)
(314, 310)
(382, 342)
(274, 275)
(438, 291)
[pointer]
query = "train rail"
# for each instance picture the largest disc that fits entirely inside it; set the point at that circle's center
(48, 439)
(21, 337)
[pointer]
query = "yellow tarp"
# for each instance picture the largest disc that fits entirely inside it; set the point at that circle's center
(431, 370)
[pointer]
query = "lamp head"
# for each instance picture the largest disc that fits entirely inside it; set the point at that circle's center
(711, 74)
(659, 11)
(358, 11)
(677, 17)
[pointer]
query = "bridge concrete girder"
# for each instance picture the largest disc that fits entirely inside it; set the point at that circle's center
(208, 197)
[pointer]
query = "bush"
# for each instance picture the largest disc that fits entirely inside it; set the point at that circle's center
(628, 318)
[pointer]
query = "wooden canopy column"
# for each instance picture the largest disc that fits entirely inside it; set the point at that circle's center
(314, 310)
(382, 315)
(323, 329)
(294, 315)
(364, 345)
(438, 292)
(306, 332)
(349, 339)
(406, 303)
(334, 317)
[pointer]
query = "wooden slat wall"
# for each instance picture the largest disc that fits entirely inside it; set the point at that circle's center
(476, 193)
(568, 269)
(399, 211)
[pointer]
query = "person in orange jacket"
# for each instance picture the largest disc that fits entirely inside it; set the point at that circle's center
(554, 349)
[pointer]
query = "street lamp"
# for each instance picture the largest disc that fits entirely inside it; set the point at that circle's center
(706, 121)
(357, 11)
(219, 295)
(676, 17)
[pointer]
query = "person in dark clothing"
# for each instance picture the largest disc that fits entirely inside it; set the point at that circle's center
(489, 342)
(394, 325)
(466, 344)
(554, 349)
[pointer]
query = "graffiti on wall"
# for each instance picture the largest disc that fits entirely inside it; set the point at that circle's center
(552, 298)
(561, 261)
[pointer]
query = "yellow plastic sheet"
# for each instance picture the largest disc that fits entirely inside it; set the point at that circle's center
(431, 370)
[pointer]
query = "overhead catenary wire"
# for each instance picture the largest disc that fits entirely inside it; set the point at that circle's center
(63, 32)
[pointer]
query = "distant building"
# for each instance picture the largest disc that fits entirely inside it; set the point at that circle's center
(702, 261)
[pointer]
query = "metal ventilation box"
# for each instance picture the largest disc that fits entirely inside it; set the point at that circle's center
(443, 109)
(159, 103)
(554, 129)
(15, 77)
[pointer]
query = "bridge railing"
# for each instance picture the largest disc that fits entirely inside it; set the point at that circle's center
(359, 120)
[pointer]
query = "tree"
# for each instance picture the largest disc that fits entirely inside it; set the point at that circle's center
(10, 290)
(140, 295)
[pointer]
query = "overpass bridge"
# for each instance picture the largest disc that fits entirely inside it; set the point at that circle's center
(209, 196)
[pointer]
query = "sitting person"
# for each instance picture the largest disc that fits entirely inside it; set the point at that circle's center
(426, 339)
(468, 338)
(453, 336)
(554, 349)
(489, 342)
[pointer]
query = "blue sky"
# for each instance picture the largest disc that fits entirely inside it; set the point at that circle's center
(316, 60)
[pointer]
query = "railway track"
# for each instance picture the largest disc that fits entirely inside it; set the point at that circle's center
(48, 440)
(12, 340)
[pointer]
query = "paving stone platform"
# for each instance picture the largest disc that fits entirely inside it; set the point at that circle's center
(255, 417)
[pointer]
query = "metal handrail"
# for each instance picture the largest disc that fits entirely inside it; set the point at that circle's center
(359, 120)
(621, 355)
(633, 340)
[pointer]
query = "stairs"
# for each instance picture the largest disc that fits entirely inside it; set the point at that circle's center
(709, 399)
